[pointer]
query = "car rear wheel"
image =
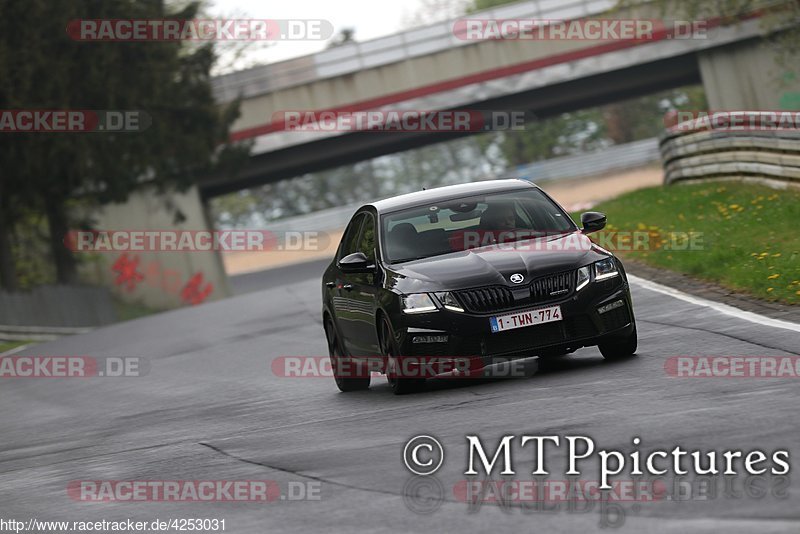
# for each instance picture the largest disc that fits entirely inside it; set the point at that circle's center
(338, 364)
(622, 348)
(394, 370)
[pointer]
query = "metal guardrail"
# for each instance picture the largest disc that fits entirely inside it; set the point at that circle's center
(356, 56)
(38, 333)
(693, 155)
(615, 158)
(55, 310)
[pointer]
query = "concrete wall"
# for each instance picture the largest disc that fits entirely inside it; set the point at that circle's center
(746, 76)
(157, 279)
(54, 306)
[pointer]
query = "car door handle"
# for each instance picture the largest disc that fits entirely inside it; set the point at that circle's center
(347, 287)
(329, 284)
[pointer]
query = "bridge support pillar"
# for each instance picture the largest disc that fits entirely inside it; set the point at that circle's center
(745, 76)
(158, 279)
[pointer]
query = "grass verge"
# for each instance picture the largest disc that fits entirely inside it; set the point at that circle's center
(8, 345)
(743, 236)
(129, 310)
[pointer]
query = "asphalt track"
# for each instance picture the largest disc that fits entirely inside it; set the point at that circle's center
(211, 408)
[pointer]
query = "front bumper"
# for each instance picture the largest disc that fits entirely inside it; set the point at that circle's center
(469, 335)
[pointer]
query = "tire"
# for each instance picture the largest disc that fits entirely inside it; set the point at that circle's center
(620, 349)
(336, 355)
(399, 385)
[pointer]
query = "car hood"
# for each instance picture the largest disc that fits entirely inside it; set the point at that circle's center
(494, 265)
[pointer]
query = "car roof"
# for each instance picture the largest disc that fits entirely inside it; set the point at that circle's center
(438, 194)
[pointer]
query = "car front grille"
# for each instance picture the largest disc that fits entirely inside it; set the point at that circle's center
(499, 298)
(487, 299)
(552, 287)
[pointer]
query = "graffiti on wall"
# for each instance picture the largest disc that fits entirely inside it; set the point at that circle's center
(131, 275)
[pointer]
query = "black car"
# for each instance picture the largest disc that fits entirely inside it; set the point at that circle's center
(477, 272)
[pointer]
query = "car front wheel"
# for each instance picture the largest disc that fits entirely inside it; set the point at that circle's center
(394, 369)
(342, 371)
(620, 348)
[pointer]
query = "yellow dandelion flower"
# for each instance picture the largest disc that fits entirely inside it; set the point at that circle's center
(773, 276)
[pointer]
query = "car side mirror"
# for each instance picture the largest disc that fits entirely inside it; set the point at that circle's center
(357, 262)
(593, 221)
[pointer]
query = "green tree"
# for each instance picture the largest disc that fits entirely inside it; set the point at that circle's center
(45, 69)
(480, 5)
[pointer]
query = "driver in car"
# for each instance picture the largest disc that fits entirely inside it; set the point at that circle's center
(498, 224)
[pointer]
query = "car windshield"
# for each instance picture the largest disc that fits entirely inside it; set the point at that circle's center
(470, 222)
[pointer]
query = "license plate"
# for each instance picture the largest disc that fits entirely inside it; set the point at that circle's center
(525, 318)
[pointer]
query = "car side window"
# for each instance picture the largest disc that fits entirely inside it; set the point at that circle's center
(350, 239)
(367, 242)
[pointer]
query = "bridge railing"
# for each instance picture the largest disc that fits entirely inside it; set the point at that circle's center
(356, 56)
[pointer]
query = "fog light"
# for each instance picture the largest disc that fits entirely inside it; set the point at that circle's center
(612, 306)
(429, 339)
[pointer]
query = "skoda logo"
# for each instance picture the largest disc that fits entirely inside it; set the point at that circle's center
(516, 278)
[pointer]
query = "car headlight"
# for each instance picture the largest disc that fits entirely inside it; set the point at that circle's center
(583, 277)
(449, 301)
(606, 268)
(418, 303)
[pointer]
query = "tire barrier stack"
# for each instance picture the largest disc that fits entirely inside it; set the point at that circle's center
(720, 149)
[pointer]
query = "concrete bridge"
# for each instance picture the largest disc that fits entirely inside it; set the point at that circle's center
(436, 67)
(433, 68)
